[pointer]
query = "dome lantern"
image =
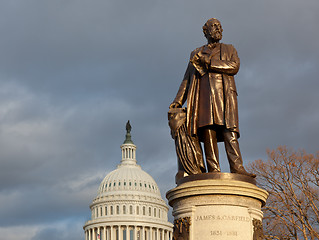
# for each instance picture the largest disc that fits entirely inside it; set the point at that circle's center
(128, 148)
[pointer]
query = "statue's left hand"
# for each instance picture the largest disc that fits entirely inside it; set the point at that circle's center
(204, 58)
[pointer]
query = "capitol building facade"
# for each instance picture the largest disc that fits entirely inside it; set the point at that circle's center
(128, 205)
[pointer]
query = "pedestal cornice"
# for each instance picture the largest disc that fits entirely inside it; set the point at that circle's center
(219, 184)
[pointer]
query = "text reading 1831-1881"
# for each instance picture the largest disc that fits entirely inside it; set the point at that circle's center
(220, 222)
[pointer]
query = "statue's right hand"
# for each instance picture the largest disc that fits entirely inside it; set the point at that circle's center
(174, 105)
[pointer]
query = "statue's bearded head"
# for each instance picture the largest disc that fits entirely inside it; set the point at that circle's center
(213, 30)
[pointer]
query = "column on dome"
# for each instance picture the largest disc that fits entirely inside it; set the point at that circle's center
(104, 233)
(127, 232)
(143, 233)
(94, 234)
(135, 232)
(89, 234)
(111, 233)
(120, 232)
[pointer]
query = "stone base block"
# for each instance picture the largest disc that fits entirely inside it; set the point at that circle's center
(223, 206)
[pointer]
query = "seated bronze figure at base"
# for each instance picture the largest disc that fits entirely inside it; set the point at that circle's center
(211, 115)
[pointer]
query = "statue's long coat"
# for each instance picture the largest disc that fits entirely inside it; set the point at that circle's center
(225, 109)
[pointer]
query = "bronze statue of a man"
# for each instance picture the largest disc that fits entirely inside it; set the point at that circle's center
(210, 90)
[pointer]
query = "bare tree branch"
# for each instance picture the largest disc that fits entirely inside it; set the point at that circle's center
(292, 180)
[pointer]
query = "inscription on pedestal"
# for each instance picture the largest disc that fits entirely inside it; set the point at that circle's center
(221, 222)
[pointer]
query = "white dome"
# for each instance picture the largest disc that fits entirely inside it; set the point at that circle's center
(128, 178)
(128, 203)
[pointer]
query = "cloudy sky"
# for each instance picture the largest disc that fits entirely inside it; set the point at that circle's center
(72, 72)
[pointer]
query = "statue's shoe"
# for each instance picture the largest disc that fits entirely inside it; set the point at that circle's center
(241, 170)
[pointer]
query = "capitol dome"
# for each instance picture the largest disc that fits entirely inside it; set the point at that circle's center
(128, 177)
(128, 205)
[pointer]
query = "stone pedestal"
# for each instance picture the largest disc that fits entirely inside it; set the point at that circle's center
(223, 206)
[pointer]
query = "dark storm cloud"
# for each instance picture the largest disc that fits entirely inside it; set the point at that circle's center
(73, 72)
(69, 230)
(47, 203)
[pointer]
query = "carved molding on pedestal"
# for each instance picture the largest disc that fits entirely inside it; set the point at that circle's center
(258, 230)
(181, 228)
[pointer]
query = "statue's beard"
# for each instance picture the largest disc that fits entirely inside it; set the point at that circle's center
(216, 36)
